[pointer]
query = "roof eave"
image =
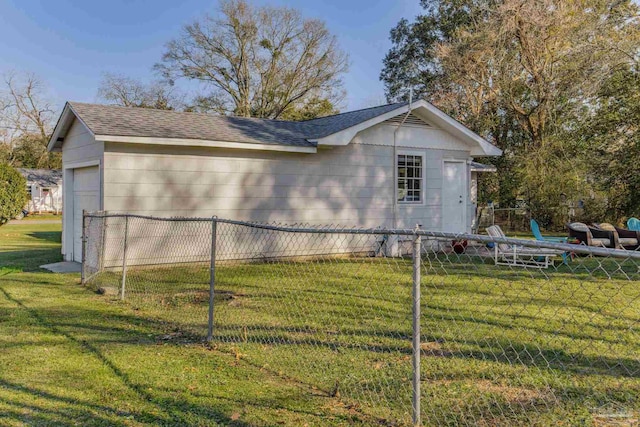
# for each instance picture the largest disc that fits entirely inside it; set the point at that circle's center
(482, 168)
(62, 123)
(206, 143)
(62, 127)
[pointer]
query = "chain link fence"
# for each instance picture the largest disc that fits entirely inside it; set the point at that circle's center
(396, 327)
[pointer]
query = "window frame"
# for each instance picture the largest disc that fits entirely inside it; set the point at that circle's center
(422, 178)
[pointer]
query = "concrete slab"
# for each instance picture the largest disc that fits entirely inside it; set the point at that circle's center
(63, 267)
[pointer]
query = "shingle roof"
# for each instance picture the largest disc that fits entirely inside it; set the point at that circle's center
(142, 122)
(42, 177)
(482, 167)
(328, 125)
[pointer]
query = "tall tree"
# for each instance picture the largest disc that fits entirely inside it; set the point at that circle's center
(24, 108)
(257, 61)
(519, 73)
(13, 193)
(610, 132)
(26, 116)
(128, 92)
(412, 62)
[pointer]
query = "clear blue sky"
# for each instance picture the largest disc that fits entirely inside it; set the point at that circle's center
(70, 43)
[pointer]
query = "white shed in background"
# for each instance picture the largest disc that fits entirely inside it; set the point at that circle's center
(44, 187)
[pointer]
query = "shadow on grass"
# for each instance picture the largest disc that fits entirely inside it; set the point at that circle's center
(177, 411)
(29, 260)
(492, 349)
(274, 306)
(81, 409)
(49, 236)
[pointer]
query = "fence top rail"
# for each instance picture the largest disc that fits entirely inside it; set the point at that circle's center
(441, 235)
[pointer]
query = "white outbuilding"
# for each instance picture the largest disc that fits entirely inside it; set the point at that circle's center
(44, 187)
(395, 165)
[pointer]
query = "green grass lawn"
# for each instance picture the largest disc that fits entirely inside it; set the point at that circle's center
(71, 357)
(501, 345)
(316, 343)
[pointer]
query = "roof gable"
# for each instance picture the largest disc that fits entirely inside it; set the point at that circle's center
(478, 145)
(411, 120)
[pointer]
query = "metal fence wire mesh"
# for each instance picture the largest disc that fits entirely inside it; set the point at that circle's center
(397, 327)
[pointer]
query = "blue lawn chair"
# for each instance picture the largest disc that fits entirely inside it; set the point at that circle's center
(633, 224)
(535, 229)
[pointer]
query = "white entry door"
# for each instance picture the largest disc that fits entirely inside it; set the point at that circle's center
(86, 190)
(454, 190)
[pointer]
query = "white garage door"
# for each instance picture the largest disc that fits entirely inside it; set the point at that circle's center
(86, 191)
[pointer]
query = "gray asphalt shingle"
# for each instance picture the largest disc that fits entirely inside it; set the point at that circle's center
(142, 122)
(42, 177)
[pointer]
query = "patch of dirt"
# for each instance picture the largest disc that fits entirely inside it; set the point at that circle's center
(178, 337)
(355, 412)
(108, 291)
(616, 416)
(202, 297)
(434, 348)
(514, 394)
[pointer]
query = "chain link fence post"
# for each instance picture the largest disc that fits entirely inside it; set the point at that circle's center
(103, 247)
(124, 257)
(212, 276)
(417, 249)
(84, 246)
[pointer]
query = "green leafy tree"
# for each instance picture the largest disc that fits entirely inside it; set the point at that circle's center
(30, 151)
(6, 152)
(412, 63)
(609, 133)
(520, 74)
(311, 109)
(13, 193)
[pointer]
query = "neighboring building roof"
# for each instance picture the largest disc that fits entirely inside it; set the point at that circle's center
(481, 167)
(126, 124)
(42, 177)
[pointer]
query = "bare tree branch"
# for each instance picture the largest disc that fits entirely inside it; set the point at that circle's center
(257, 62)
(128, 92)
(26, 121)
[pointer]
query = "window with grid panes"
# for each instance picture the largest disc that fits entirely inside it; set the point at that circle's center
(410, 187)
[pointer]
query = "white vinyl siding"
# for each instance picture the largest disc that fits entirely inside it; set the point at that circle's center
(345, 185)
(411, 137)
(80, 146)
(349, 185)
